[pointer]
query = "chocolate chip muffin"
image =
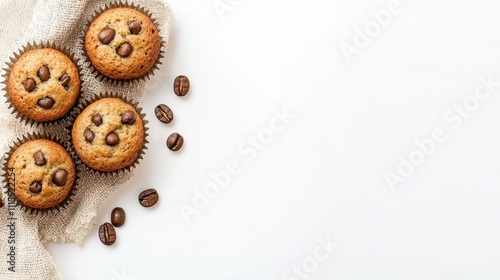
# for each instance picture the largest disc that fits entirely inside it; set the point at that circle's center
(43, 84)
(108, 135)
(123, 43)
(44, 173)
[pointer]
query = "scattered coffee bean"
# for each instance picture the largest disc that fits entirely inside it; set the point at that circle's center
(148, 197)
(124, 50)
(181, 85)
(44, 73)
(89, 135)
(106, 36)
(163, 113)
(97, 119)
(46, 103)
(118, 217)
(128, 117)
(60, 177)
(107, 234)
(175, 142)
(65, 79)
(134, 27)
(36, 187)
(40, 159)
(29, 85)
(112, 139)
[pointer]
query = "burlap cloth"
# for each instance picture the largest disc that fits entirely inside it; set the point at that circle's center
(23, 21)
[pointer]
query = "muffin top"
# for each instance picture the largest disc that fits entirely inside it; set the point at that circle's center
(108, 135)
(44, 84)
(44, 173)
(123, 43)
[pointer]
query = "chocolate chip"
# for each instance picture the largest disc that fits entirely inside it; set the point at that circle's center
(112, 139)
(44, 73)
(175, 142)
(97, 119)
(65, 79)
(124, 50)
(46, 103)
(134, 27)
(29, 85)
(128, 117)
(60, 177)
(36, 187)
(106, 36)
(40, 159)
(89, 135)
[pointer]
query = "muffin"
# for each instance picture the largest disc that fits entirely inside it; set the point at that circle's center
(108, 135)
(123, 43)
(44, 173)
(43, 84)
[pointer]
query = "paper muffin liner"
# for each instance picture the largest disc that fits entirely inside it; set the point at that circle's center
(121, 82)
(13, 59)
(6, 175)
(85, 103)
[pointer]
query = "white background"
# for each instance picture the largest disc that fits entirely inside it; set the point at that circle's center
(323, 175)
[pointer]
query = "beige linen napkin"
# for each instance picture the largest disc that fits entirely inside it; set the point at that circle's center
(61, 21)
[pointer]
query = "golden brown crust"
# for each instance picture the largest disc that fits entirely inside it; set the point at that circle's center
(26, 67)
(26, 172)
(146, 45)
(97, 154)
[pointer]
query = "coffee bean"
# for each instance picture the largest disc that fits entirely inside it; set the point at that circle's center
(181, 85)
(46, 103)
(97, 119)
(163, 113)
(148, 197)
(106, 36)
(107, 234)
(89, 135)
(60, 177)
(65, 79)
(118, 217)
(29, 85)
(128, 117)
(40, 159)
(44, 73)
(112, 139)
(124, 50)
(134, 27)
(36, 187)
(175, 142)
